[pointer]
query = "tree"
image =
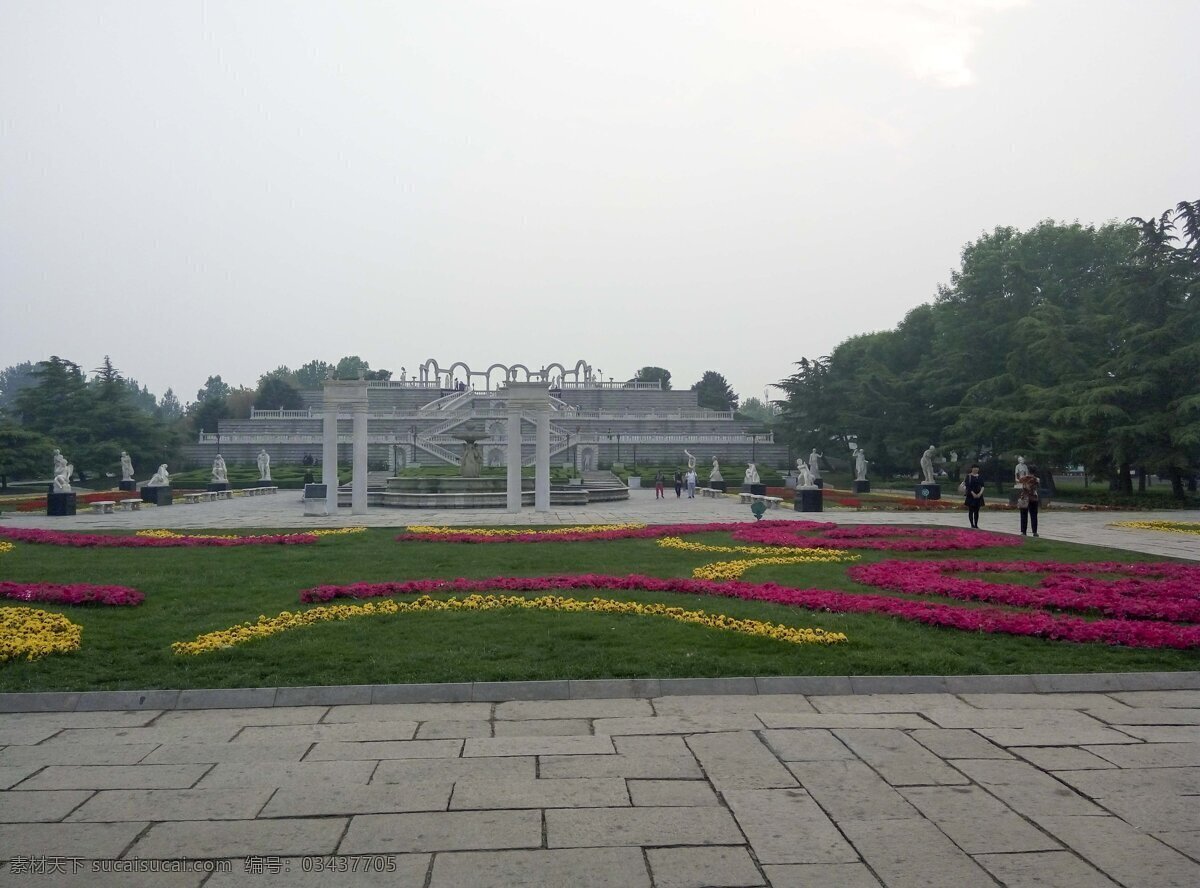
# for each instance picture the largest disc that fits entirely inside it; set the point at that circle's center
(12, 380)
(214, 388)
(313, 374)
(351, 366)
(753, 408)
(23, 454)
(169, 407)
(653, 374)
(713, 392)
(276, 392)
(55, 400)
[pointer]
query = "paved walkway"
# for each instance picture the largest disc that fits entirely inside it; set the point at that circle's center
(284, 510)
(1072, 789)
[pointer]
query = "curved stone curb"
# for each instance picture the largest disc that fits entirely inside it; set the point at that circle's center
(458, 692)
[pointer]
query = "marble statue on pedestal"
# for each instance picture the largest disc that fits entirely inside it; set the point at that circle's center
(161, 478)
(126, 467)
(927, 465)
(62, 478)
(1020, 471)
(59, 461)
(715, 474)
(264, 465)
(860, 464)
(814, 463)
(691, 459)
(805, 479)
(472, 460)
(751, 474)
(220, 475)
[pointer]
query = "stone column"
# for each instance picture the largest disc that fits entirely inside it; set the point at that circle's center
(541, 461)
(329, 476)
(514, 457)
(358, 495)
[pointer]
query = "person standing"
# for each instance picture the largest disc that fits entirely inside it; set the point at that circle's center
(1027, 502)
(678, 483)
(974, 495)
(658, 485)
(691, 483)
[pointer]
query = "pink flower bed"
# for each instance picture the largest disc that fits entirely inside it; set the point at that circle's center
(1133, 633)
(864, 536)
(73, 593)
(99, 541)
(1140, 591)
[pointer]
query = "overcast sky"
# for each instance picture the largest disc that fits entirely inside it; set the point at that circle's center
(223, 187)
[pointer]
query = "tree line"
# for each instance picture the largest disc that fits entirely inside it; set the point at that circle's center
(1065, 343)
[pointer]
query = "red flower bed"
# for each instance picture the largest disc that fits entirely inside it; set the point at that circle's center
(101, 541)
(1140, 591)
(864, 536)
(1133, 633)
(73, 593)
(38, 504)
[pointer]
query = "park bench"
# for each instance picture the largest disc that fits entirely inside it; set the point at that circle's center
(191, 498)
(103, 506)
(129, 505)
(771, 502)
(711, 492)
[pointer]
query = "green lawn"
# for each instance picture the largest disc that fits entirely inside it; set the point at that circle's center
(191, 591)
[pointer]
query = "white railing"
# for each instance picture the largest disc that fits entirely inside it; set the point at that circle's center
(655, 386)
(282, 414)
(235, 438)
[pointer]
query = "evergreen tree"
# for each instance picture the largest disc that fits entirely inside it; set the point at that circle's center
(713, 391)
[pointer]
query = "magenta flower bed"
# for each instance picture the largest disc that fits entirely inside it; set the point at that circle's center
(1141, 591)
(863, 536)
(99, 541)
(73, 593)
(1133, 633)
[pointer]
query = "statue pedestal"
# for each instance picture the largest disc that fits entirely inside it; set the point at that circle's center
(61, 503)
(820, 482)
(809, 499)
(928, 491)
(218, 485)
(128, 485)
(158, 496)
(861, 487)
(717, 485)
(315, 499)
(261, 483)
(755, 489)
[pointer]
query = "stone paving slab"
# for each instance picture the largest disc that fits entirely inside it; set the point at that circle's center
(376, 798)
(239, 838)
(482, 793)
(1151, 755)
(1057, 868)
(703, 868)
(528, 710)
(86, 840)
(342, 751)
(450, 770)
(787, 826)
(437, 729)
(115, 777)
(670, 793)
(286, 773)
(663, 767)
(1026, 789)
(448, 831)
(976, 821)
(1061, 758)
(183, 753)
(47, 805)
(912, 854)
(76, 754)
(544, 727)
(577, 867)
(851, 790)
(606, 827)
(898, 758)
(508, 746)
(316, 733)
(1128, 856)
(805, 745)
(114, 805)
(801, 875)
(954, 743)
(739, 760)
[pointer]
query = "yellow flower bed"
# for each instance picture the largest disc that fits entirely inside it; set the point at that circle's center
(430, 530)
(732, 570)
(5, 546)
(172, 535)
(27, 633)
(794, 551)
(336, 531)
(286, 621)
(1168, 526)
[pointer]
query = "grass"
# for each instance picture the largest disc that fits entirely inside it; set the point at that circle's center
(191, 591)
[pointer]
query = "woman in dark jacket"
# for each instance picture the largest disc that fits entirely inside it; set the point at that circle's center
(974, 495)
(678, 482)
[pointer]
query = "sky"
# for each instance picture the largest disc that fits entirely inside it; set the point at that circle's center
(223, 187)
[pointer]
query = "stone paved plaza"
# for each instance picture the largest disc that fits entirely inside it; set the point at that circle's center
(1095, 787)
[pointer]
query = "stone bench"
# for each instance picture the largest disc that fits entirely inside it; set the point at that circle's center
(711, 492)
(129, 505)
(771, 502)
(192, 498)
(103, 506)
(224, 494)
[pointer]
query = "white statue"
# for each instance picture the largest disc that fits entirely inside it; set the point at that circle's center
(62, 478)
(126, 467)
(715, 474)
(220, 475)
(161, 478)
(403, 374)
(806, 479)
(264, 465)
(860, 464)
(927, 464)
(751, 474)
(691, 459)
(1020, 471)
(59, 461)
(814, 463)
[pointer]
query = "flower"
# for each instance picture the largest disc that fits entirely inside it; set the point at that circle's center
(28, 633)
(74, 593)
(158, 539)
(5, 547)
(863, 536)
(1166, 526)
(285, 621)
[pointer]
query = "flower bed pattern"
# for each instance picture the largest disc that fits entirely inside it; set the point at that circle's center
(102, 541)
(174, 535)
(267, 626)
(73, 593)
(1162, 591)
(1134, 633)
(864, 536)
(732, 570)
(27, 633)
(1167, 526)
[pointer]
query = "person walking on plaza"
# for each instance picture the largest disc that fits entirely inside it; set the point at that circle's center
(658, 485)
(973, 485)
(691, 483)
(1027, 502)
(678, 483)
